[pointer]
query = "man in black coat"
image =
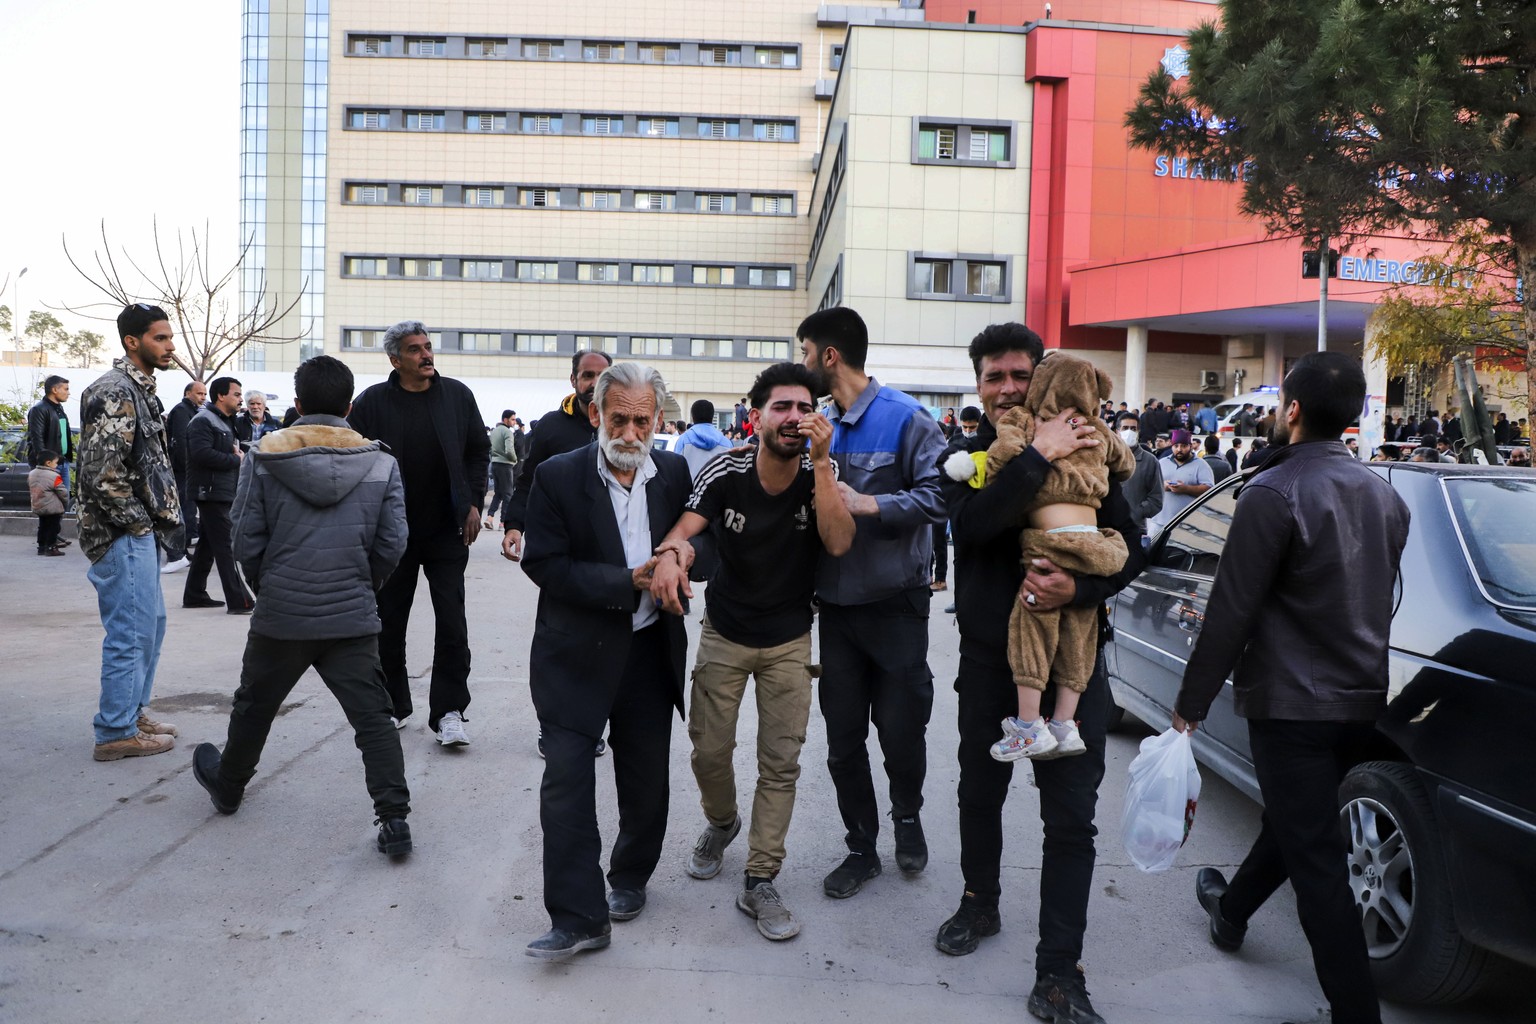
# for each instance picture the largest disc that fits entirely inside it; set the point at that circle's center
(433, 427)
(192, 398)
(48, 426)
(604, 655)
(213, 470)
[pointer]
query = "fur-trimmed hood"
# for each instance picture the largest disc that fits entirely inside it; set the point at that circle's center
(319, 458)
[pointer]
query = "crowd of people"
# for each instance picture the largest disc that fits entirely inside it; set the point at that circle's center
(836, 518)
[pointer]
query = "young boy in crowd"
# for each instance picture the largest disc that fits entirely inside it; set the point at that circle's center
(49, 500)
(319, 524)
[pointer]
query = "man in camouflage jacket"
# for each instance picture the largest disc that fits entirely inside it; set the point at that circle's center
(128, 500)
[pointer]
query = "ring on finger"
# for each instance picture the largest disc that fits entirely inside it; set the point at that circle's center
(1029, 599)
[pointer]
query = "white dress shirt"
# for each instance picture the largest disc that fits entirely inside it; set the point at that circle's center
(633, 513)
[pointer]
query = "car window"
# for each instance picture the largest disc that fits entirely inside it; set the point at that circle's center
(1194, 543)
(1493, 517)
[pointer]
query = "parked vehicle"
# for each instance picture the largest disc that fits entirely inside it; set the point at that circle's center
(1264, 399)
(1441, 822)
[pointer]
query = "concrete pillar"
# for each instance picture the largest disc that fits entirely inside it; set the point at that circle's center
(1133, 389)
(1274, 358)
(1372, 430)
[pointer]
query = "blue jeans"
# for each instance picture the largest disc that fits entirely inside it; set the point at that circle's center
(127, 582)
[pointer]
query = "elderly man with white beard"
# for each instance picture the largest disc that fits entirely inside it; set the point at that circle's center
(604, 655)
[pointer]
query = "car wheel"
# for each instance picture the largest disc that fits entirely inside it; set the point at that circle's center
(1398, 876)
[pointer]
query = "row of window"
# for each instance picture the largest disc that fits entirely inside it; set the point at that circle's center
(566, 271)
(549, 197)
(501, 122)
(968, 277)
(616, 51)
(979, 143)
(551, 343)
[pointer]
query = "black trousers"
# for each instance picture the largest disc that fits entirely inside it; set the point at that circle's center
(350, 667)
(188, 519)
(443, 557)
(501, 480)
(874, 668)
(941, 552)
(1299, 767)
(640, 737)
(212, 550)
(1069, 794)
(48, 527)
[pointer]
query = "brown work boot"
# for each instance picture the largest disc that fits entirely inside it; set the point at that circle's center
(154, 728)
(138, 745)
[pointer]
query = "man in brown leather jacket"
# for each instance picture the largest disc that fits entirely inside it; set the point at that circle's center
(1316, 539)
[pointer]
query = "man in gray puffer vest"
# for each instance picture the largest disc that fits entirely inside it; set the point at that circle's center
(319, 524)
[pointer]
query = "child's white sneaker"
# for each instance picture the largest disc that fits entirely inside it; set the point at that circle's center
(1023, 739)
(1068, 740)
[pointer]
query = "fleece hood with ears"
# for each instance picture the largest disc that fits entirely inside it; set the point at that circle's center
(320, 463)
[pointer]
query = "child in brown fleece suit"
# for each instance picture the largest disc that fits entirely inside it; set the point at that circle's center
(1057, 646)
(50, 498)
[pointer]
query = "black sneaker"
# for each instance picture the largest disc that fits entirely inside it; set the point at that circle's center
(911, 846)
(205, 769)
(849, 876)
(963, 932)
(394, 837)
(1210, 887)
(1063, 999)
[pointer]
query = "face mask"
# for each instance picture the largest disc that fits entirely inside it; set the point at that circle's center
(1130, 437)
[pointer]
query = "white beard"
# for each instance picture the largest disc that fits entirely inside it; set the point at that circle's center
(620, 457)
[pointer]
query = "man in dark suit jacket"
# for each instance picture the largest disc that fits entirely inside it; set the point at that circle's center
(604, 655)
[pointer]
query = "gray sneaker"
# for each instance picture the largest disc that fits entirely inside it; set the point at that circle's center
(710, 849)
(764, 904)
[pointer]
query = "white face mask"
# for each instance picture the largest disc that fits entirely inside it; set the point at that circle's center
(1130, 437)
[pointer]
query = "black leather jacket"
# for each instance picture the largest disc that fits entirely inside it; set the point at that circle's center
(213, 468)
(1302, 603)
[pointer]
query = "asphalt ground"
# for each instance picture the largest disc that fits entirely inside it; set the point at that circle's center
(125, 897)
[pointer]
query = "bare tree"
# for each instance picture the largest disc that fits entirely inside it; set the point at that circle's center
(213, 314)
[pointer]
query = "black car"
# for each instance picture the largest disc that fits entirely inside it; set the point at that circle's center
(1441, 823)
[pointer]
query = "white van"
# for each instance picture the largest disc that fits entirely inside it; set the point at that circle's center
(1263, 400)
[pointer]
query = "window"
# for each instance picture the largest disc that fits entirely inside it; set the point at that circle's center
(719, 129)
(774, 131)
(836, 62)
(711, 348)
(715, 202)
(421, 268)
(426, 47)
(719, 55)
(367, 266)
(602, 51)
(767, 350)
(535, 343)
(659, 126)
(370, 46)
(542, 49)
(1194, 545)
(651, 273)
(482, 196)
(773, 204)
(485, 47)
(600, 200)
(983, 278)
(538, 197)
(660, 53)
(597, 271)
(655, 200)
(424, 120)
(480, 270)
(932, 276)
(597, 343)
(528, 270)
(987, 145)
(777, 58)
(714, 275)
(543, 124)
(768, 277)
(602, 125)
(650, 346)
(367, 193)
(370, 119)
(362, 339)
(973, 144)
(425, 195)
(470, 341)
(485, 122)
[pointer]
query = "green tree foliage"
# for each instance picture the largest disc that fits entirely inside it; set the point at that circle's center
(45, 329)
(5, 319)
(82, 348)
(1352, 117)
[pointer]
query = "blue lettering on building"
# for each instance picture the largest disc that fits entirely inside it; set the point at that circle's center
(1183, 167)
(1358, 268)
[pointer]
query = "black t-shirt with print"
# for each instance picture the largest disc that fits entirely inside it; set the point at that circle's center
(760, 594)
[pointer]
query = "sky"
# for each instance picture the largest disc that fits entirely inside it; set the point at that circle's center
(118, 112)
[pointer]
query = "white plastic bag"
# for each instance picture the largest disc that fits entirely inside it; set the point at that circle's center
(1160, 802)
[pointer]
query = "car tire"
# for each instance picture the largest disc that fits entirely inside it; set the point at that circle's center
(1399, 880)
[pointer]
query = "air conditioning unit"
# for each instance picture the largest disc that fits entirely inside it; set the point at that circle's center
(1210, 380)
